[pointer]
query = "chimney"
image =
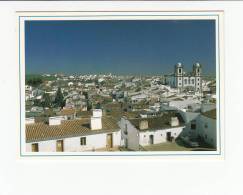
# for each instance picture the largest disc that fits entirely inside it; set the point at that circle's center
(174, 122)
(143, 124)
(30, 120)
(96, 120)
(55, 120)
(97, 113)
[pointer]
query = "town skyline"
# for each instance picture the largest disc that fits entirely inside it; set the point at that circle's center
(113, 74)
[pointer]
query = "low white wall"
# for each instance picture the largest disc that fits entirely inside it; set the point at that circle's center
(72, 144)
(159, 135)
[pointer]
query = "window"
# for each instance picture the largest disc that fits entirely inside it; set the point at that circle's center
(179, 70)
(144, 136)
(161, 135)
(206, 125)
(83, 141)
(185, 81)
(198, 79)
(192, 81)
(193, 125)
(35, 147)
(198, 83)
(125, 131)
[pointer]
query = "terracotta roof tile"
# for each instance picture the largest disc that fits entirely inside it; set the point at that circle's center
(72, 128)
(210, 114)
(161, 122)
(67, 111)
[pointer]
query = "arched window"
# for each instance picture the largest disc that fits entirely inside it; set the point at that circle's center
(185, 81)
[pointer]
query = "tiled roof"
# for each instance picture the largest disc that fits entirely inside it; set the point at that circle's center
(70, 128)
(210, 114)
(67, 111)
(162, 122)
(84, 114)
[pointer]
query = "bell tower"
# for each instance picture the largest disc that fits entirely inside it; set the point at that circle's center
(178, 75)
(197, 70)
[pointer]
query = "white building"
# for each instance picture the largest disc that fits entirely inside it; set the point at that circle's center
(70, 84)
(77, 135)
(185, 103)
(139, 97)
(140, 132)
(206, 127)
(201, 126)
(182, 80)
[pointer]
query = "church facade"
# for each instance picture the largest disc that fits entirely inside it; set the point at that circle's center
(182, 80)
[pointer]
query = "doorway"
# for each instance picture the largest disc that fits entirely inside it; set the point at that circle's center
(151, 139)
(35, 147)
(126, 143)
(168, 136)
(109, 141)
(59, 146)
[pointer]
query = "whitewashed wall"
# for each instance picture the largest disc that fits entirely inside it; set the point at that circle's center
(183, 104)
(132, 136)
(207, 127)
(72, 144)
(159, 135)
(44, 146)
(116, 138)
(136, 138)
(92, 142)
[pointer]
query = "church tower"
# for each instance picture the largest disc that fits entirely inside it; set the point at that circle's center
(197, 70)
(178, 75)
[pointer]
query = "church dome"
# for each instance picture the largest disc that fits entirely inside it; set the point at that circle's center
(179, 65)
(197, 65)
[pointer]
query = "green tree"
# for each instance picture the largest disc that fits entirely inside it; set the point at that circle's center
(46, 100)
(98, 106)
(85, 93)
(89, 105)
(138, 89)
(59, 99)
(37, 102)
(34, 80)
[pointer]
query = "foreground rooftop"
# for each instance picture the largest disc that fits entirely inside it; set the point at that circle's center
(161, 122)
(70, 128)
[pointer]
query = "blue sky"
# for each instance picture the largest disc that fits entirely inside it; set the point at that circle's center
(120, 47)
